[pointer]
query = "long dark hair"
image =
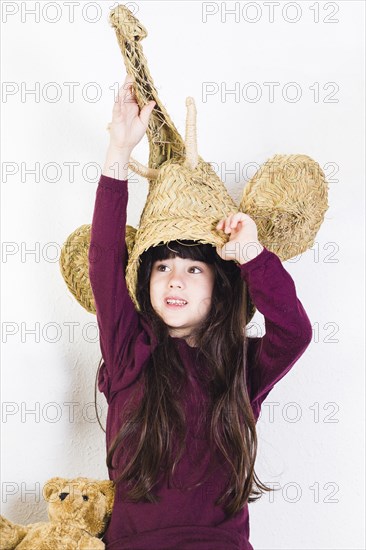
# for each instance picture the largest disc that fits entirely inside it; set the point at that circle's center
(146, 432)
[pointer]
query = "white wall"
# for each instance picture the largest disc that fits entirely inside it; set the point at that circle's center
(318, 459)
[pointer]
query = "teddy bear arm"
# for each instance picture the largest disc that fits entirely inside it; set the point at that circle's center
(11, 534)
(87, 542)
(32, 534)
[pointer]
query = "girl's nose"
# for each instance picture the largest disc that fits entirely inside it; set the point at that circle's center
(175, 283)
(176, 280)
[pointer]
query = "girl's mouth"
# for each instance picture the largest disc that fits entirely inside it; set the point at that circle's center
(175, 303)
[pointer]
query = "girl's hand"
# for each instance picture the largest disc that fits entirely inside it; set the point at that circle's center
(129, 124)
(243, 244)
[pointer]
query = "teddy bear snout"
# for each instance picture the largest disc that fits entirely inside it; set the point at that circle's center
(63, 495)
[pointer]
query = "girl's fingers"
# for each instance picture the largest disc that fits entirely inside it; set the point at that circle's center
(220, 225)
(118, 100)
(239, 217)
(231, 221)
(223, 223)
(146, 112)
(128, 88)
(129, 96)
(126, 92)
(227, 223)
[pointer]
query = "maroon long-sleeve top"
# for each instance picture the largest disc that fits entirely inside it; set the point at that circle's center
(183, 519)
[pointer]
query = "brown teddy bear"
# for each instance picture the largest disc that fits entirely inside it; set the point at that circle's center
(79, 510)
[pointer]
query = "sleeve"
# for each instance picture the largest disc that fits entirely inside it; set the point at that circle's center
(117, 316)
(288, 331)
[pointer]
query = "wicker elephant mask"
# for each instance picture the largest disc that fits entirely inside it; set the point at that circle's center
(287, 197)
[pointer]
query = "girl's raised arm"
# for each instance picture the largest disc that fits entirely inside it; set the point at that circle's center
(288, 328)
(116, 314)
(273, 292)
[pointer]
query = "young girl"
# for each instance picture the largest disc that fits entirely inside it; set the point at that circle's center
(183, 382)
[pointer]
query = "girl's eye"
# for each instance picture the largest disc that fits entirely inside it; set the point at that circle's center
(163, 266)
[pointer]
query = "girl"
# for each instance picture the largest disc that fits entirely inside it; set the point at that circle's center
(183, 382)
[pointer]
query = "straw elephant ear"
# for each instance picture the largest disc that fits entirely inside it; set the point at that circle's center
(287, 198)
(74, 263)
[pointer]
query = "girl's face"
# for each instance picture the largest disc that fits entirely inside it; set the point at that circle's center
(184, 279)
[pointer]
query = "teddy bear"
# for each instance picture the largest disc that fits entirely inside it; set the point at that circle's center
(79, 510)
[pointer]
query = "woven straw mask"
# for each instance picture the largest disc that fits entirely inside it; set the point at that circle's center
(287, 197)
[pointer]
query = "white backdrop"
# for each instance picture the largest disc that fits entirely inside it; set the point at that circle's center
(311, 429)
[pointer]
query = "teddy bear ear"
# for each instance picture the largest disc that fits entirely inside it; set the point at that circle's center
(53, 485)
(108, 488)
